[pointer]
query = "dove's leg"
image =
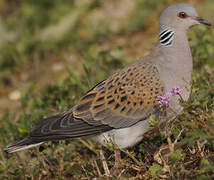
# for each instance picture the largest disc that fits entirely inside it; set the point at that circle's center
(117, 156)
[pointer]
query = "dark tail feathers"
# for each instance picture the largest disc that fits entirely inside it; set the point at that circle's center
(21, 145)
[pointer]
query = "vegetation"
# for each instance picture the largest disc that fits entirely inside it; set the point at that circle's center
(51, 52)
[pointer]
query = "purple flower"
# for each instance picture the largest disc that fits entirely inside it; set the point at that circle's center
(169, 94)
(163, 100)
(175, 90)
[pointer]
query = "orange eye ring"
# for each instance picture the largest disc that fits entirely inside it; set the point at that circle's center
(182, 15)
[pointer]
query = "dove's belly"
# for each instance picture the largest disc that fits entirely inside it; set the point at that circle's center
(125, 137)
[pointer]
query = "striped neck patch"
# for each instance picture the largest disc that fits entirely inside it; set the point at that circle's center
(166, 37)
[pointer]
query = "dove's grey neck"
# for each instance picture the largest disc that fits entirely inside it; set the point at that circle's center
(166, 36)
(176, 63)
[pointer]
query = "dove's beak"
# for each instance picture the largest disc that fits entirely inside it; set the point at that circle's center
(202, 21)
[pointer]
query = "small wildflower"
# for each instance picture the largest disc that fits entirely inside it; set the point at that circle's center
(176, 90)
(163, 100)
(169, 94)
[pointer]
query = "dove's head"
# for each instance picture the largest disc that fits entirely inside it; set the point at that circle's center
(181, 17)
(177, 19)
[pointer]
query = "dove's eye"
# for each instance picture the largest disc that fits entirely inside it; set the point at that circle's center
(182, 15)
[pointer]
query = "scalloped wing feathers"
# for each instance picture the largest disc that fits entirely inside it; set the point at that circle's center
(122, 100)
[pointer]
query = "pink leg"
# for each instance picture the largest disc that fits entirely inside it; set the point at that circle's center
(117, 156)
(117, 169)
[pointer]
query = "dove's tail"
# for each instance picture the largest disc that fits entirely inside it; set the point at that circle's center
(59, 127)
(21, 145)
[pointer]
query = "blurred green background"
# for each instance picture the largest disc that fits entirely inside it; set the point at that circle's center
(51, 52)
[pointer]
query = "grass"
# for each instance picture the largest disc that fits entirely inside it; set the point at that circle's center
(90, 41)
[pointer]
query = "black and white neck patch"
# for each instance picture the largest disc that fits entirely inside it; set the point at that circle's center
(166, 37)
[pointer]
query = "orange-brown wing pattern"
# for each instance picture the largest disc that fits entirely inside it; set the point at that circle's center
(123, 99)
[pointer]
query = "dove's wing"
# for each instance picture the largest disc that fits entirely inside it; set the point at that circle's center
(123, 99)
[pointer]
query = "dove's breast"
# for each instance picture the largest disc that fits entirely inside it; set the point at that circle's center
(125, 137)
